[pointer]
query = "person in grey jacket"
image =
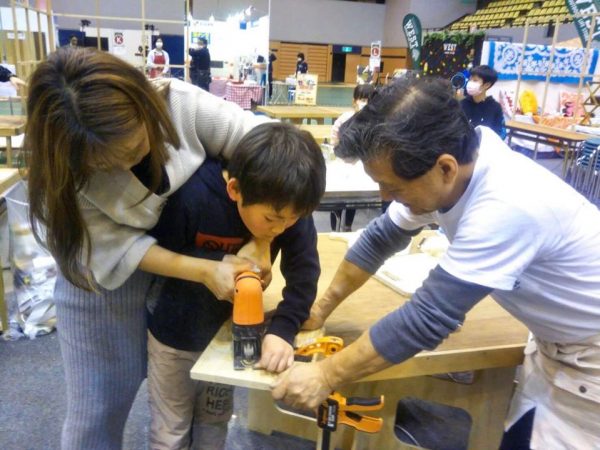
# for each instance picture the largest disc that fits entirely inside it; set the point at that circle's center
(108, 147)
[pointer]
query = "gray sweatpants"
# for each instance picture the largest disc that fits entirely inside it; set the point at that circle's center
(103, 344)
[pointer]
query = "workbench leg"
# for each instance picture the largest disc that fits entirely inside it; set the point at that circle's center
(486, 400)
(264, 417)
(3, 305)
(8, 152)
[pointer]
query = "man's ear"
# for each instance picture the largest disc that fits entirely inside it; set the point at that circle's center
(448, 166)
(233, 189)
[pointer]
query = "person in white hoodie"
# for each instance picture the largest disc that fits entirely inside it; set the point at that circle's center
(107, 148)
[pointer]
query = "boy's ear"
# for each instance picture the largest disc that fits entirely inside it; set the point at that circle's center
(233, 189)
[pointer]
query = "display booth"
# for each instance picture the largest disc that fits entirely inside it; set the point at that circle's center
(444, 54)
(540, 84)
(239, 49)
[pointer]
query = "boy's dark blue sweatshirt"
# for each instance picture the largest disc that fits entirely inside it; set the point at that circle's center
(201, 220)
(488, 113)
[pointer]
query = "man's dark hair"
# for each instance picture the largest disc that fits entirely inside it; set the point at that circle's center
(413, 122)
(279, 165)
(486, 73)
(203, 41)
(301, 56)
(363, 92)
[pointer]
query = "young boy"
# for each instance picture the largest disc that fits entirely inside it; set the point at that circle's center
(276, 178)
(478, 107)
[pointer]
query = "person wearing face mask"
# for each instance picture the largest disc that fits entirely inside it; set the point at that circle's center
(362, 94)
(158, 60)
(477, 106)
(301, 65)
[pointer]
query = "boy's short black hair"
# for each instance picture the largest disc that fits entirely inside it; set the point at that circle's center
(363, 92)
(412, 121)
(279, 165)
(301, 56)
(486, 73)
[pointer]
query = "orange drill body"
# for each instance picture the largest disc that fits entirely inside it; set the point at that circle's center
(248, 320)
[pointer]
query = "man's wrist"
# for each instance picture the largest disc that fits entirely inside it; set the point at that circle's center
(332, 373)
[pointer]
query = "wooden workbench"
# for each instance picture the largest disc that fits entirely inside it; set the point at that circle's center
(11, 126)
(298, 113)
(490, 342)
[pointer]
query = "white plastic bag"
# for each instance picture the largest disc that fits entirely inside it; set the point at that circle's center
(34, 272)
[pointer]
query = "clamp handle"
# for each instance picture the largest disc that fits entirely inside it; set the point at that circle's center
(366, 424)
(327, 345)
(337, 409)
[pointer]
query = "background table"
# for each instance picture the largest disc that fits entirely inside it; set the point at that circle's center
(11, 126)
(490, 342)
(217, 87)
(243, 94)
(348, 186)
(568, 141)
(298, 113)
(319, 132)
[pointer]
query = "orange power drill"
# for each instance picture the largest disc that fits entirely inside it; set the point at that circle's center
(248, 320)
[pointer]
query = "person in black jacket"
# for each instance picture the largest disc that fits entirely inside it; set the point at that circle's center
(272, 59)
(276, 178)
(301, 64)
(478, 107)
(7, 75)
(200, 66)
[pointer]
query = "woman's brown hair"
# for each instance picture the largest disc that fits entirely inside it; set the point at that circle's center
(81, 102)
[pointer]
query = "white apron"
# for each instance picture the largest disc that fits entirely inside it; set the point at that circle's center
(562, 381)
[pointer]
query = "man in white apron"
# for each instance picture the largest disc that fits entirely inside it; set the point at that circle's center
(517, 232)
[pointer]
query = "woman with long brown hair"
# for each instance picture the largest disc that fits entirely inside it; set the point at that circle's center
(107, 148)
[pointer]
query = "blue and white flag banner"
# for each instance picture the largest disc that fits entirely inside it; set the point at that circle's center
(567, 64)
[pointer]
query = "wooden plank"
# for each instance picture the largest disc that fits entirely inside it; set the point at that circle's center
(216, 362)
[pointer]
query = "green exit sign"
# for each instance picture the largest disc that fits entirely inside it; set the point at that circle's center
(346, 49)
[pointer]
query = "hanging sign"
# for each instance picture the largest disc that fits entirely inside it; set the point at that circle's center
(375, 59)
(583, 24)
(412, 30)
(118, 39)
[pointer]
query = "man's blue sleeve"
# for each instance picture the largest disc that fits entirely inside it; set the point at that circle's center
(435, 310)
(381, 239)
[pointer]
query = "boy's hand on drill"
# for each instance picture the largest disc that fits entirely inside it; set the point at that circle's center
(277, 354)
(259, 252)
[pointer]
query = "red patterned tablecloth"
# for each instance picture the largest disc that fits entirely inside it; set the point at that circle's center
(218, 86)
(243, 94)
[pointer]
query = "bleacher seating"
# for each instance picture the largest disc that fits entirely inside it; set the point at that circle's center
(514, 13)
